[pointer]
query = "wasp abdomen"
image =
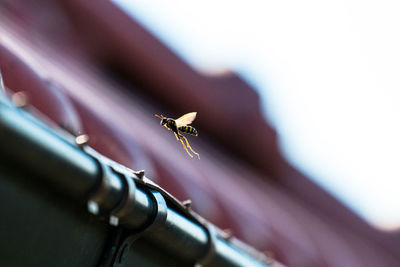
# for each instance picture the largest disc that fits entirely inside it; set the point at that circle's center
(188, 129)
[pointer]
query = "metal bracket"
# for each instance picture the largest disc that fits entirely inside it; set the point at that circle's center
(108, 192)
(121, 213)
(211, 249)
(157, 221)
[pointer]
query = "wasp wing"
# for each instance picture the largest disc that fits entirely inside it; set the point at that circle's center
(185, 119)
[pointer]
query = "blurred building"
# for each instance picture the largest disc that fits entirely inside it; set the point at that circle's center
(89, 68)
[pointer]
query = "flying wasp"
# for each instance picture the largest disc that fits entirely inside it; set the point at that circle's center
(181, 125)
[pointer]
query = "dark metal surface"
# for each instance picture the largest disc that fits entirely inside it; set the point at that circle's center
(108, 193)
(38, 148)
(38, 227)
(150, 231)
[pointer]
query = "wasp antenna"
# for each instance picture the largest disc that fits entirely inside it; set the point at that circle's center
(158, 116)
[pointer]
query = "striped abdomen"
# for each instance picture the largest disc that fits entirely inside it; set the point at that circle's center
(188, 129)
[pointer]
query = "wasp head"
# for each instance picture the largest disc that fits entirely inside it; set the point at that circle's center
(163, 119)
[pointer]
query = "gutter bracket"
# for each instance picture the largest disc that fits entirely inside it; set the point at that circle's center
(157, 221)
(211, 248)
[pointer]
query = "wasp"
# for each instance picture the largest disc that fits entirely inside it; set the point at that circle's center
(181, 125)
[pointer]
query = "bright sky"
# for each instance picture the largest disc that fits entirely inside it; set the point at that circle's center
(329, 76)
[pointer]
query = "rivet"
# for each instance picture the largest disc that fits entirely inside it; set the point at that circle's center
(114, 221)
(20, 99)
(227, 234)
(140, 174)
(93, 207)
(269, 257)
(82, 139)
(187, 203)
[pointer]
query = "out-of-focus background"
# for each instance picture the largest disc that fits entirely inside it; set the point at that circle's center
(296, 101)
(327, 75)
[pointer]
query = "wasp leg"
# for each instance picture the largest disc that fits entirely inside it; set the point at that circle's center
(176, 136)
(187, 151)
(191, 149)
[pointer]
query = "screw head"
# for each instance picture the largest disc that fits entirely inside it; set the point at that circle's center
(82, 140)
(20, 99)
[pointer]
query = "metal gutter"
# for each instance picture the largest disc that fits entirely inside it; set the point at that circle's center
(133, 204)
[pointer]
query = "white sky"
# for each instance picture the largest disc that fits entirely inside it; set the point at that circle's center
(329, 76)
